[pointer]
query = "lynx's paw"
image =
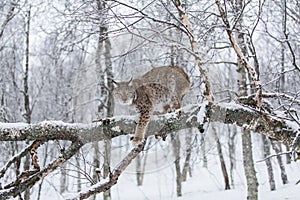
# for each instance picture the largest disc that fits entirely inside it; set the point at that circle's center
(136, 140)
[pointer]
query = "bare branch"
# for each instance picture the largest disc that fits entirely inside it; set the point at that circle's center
(113, 178)
(271, 156)
(207, 91)
(18, 157)
(20, 186)
(275, 95)
(10, 15)
(249, 68)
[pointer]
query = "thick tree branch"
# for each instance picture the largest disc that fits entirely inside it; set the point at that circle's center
(279, 128)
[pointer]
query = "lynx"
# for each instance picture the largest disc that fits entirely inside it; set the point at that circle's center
(159, 91)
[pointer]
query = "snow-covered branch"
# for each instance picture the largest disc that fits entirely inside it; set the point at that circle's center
(113, 178)
(23, 183)
(293, 99)
(279, 128)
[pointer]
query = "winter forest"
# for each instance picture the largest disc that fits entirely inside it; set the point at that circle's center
(62, 135)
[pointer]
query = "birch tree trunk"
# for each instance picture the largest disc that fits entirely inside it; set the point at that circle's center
(78, 173)
(139, 172)
(105, 75)
(221, 157)
(203, 149)
(188, 150)
(267, 152)
(250, 172)
(176, 151)
(282, 76)
(110, 110)
(277, 148)
(27, 114)
(232, 132)
(63, 178)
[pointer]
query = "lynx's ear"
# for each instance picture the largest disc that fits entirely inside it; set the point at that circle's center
(130, 82)
(115, 83)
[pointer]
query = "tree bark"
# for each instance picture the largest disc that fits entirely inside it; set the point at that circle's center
(279, 129)
(282, 76)
(176, 150)
(221, 157)
(207, 92)
(203, 149)
(186, 166)
(239, 51)
(231, 146)
(27, 114)
(105, 77)
(239, 46)
(277, 148)
(250, 172)
(139, 173)
(266, 147)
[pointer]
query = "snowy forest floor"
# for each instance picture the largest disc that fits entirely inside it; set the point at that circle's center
(205, 184)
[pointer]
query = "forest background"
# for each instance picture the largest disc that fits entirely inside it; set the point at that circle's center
(58, 59)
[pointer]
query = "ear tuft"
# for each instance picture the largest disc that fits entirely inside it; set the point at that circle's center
(115, 83)
(130, 82)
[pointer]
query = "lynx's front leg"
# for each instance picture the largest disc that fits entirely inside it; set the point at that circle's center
(143, 121)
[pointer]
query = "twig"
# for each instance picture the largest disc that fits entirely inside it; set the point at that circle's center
(31, 181)
(271, 156)
(19, 156)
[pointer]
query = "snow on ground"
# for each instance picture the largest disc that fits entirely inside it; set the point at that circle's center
(205, 183)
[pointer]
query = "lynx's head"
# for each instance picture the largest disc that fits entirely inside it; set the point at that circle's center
(124, 92)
